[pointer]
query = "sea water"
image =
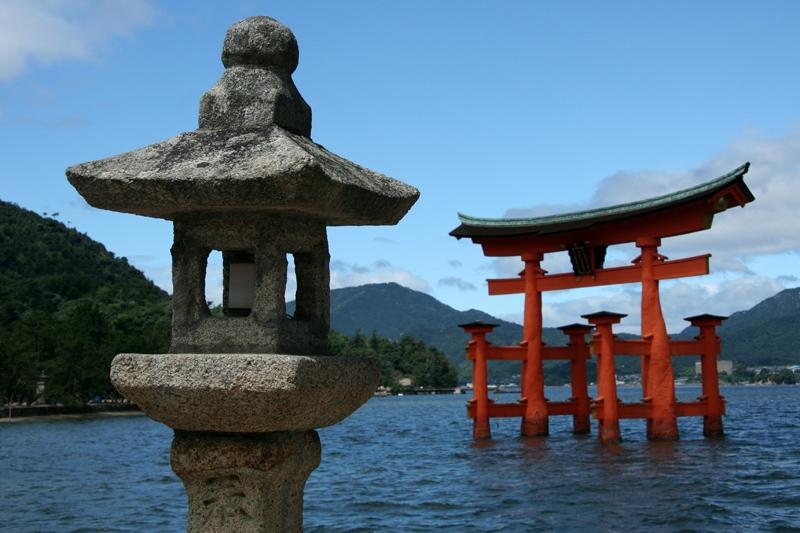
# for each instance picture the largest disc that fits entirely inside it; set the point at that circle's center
(409, 464)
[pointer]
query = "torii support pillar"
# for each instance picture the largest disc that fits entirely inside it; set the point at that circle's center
(480, 379)
(535, 421)
(712, 420)
(657, 365)
(580, 393)
(606, 401)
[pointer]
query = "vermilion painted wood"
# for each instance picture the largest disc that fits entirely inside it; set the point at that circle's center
(712, 420)
(507, 410)
(520, 353)
(630, 347)
(658, 376)
(480, 377)
(579, 351)
(536, 421)
(606, 377)
(642, 410)
(641, 347)
(678, 220)
(655, 348)
(677, 268)
(681, 347)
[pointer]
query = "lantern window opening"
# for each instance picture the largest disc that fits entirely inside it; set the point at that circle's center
(212, 283)
(239, 282)
(290, 293)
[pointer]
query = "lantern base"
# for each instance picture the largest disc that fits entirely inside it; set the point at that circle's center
(245, 393)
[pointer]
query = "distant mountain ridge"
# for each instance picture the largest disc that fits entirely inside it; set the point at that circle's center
(767, 334)
(392, 311)
(66, 303)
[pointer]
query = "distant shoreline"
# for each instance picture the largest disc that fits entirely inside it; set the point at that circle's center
(74, 416)
(62, 412)
(46, 412)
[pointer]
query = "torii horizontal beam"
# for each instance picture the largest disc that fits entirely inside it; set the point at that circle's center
(677, 268)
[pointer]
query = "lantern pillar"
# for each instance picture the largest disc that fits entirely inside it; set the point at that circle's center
(248, 483)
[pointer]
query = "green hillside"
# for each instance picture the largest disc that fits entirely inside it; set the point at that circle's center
(405, 358)
(766, 334)
(67, 306)
(393, 311)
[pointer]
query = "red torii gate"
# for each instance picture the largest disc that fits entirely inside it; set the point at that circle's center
(585, 236)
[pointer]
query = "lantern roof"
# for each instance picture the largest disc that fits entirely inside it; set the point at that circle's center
(252, 151)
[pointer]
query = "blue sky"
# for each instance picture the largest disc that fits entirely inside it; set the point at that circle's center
(489, 108)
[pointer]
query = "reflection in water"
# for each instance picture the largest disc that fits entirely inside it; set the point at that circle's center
(483, 444)
(663, 453)
(410, 464)
(534, 450)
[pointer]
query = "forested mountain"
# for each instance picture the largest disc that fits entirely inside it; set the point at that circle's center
(404, 358)
(393, 311)
(766, 334)
(67, 306)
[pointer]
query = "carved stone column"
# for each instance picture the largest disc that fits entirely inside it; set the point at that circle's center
(249, 483)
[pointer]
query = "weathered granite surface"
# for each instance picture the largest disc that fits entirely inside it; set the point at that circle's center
(252, 153)
(245, 483)
(238, 389)
(255, 171)
(256, 89)
(245, 393)
(262, 42)
(267, 328)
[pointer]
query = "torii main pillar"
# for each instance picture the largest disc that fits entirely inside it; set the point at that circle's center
(536, 420)
(657, 374)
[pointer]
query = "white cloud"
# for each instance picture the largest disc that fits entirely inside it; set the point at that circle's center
(505, 267)
(51, 31)
(678, 300)
(351, 275)
(554, 263)
(764, 227)
(458, 283)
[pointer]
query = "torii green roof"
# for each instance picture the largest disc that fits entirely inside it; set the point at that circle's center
(475, 226)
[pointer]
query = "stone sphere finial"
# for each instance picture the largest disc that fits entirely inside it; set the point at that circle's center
(260, 41)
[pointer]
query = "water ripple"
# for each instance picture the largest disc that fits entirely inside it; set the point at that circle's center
(409, 464)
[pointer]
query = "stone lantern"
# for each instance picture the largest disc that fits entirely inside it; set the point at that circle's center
(244, 391)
